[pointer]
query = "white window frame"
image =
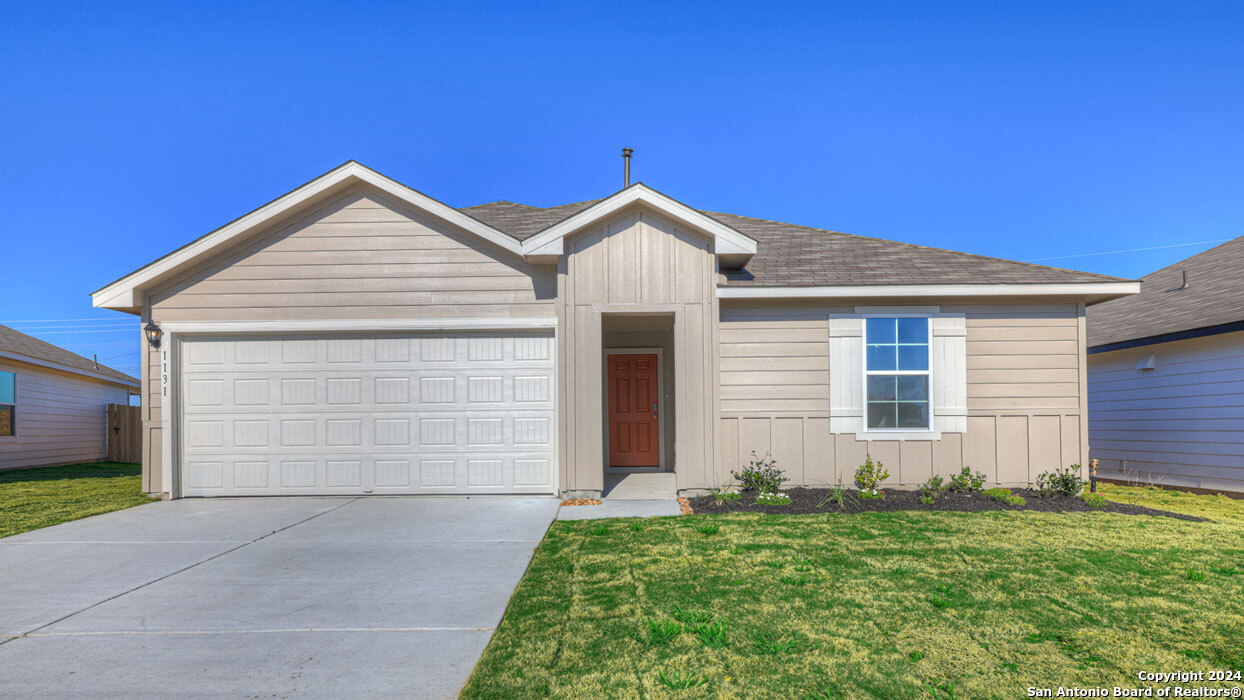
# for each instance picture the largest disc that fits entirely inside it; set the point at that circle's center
(12, 406)
(896, 433)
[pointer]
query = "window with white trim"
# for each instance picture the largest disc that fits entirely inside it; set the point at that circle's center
(8, 404)
(897, 378)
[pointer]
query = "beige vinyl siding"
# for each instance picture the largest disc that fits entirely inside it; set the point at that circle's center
(1024, 382)
(61, 417)
(361, 256)
(637, 262)
(1180, 424)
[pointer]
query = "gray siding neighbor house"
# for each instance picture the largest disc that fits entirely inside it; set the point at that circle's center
(356, 336)
(53, 403)
(1166, 376)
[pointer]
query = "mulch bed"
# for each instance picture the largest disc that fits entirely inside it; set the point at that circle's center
(807, 500)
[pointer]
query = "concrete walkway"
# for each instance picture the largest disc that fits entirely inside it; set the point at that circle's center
(263, 597)
(633, 495)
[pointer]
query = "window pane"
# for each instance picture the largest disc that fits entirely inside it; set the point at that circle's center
(881, 330)
(6, 421)
(912, 357)
(912, 388)
(882, 388)
(913, 330)
(6, 388)
(882, 415)
(913, 414)
(881, 357)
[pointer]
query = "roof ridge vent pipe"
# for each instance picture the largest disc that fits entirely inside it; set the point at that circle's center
(626, 156)
(1185, 280)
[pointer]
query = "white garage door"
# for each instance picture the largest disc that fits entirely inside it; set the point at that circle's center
(428, 413)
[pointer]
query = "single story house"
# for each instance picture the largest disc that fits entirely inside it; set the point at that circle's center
(1166, 376)
(53, 403)
(356, 336)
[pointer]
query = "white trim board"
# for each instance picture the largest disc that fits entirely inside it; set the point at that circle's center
(361, 325)
(1092, 289)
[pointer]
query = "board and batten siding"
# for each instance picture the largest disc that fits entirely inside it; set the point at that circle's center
(61, 417)
(361, 256)
(1178, 424)
(1025, 384)
(637, 262)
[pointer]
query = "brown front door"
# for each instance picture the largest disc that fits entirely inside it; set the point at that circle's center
(633, 437)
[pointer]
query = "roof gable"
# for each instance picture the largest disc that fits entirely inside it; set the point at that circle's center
(728, 242)
(126, 294)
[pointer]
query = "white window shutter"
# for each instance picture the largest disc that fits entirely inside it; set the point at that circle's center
(846, 371)
(950, 373)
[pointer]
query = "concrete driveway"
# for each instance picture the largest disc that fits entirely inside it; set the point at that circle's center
(263, 597)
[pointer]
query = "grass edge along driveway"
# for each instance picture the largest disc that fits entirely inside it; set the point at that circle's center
(36, 498)
(873, 605)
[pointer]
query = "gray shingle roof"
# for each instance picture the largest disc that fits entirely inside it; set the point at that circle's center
(1215, 295)
(19, 343)
(799, 256)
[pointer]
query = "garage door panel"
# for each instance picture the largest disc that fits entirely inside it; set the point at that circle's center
(421, 414)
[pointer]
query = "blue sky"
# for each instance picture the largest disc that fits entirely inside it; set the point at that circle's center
(1025, 130)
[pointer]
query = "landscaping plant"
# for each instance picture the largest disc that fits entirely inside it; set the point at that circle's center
(760, 474)
(1096, 500)
(1061, 482)
(1006, 496)
(932, 489)
(967, 482)
(773, 498)
(868, 476)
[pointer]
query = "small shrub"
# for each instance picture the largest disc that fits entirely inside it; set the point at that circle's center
(777, 498)
(1060, 482)
(724, 497)
(708, 528)
(874, 495)
(966, 481)
(932, 489)
(662, 631)
(760, 474)
(1005, 496)
(868, 476)
(837, 494)
(1095, 500)
(678, 681)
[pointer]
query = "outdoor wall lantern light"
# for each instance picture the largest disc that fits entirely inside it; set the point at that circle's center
(153, 334)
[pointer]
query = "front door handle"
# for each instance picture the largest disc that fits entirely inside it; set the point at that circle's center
(654, 409)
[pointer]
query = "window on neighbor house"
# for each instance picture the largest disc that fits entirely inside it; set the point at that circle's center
(897, 379)
(8, 404)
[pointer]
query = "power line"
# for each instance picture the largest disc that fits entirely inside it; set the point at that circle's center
(1129, 250)
(73, 320)
(105, 330)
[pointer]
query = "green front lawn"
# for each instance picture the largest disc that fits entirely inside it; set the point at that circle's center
(874, 605)
(35, 498)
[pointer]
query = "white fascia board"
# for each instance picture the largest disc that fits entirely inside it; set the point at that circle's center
(932, 290)
(728, 240)
(122, 293)
(360, 325)
(5, 355)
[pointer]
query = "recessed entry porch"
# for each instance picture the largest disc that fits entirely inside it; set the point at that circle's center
(638, 399)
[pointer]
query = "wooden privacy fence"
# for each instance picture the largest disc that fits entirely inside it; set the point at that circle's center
(125, 434)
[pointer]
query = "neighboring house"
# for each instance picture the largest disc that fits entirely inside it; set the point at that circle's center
(355, 336)
(53, 403)
(1166, 376)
